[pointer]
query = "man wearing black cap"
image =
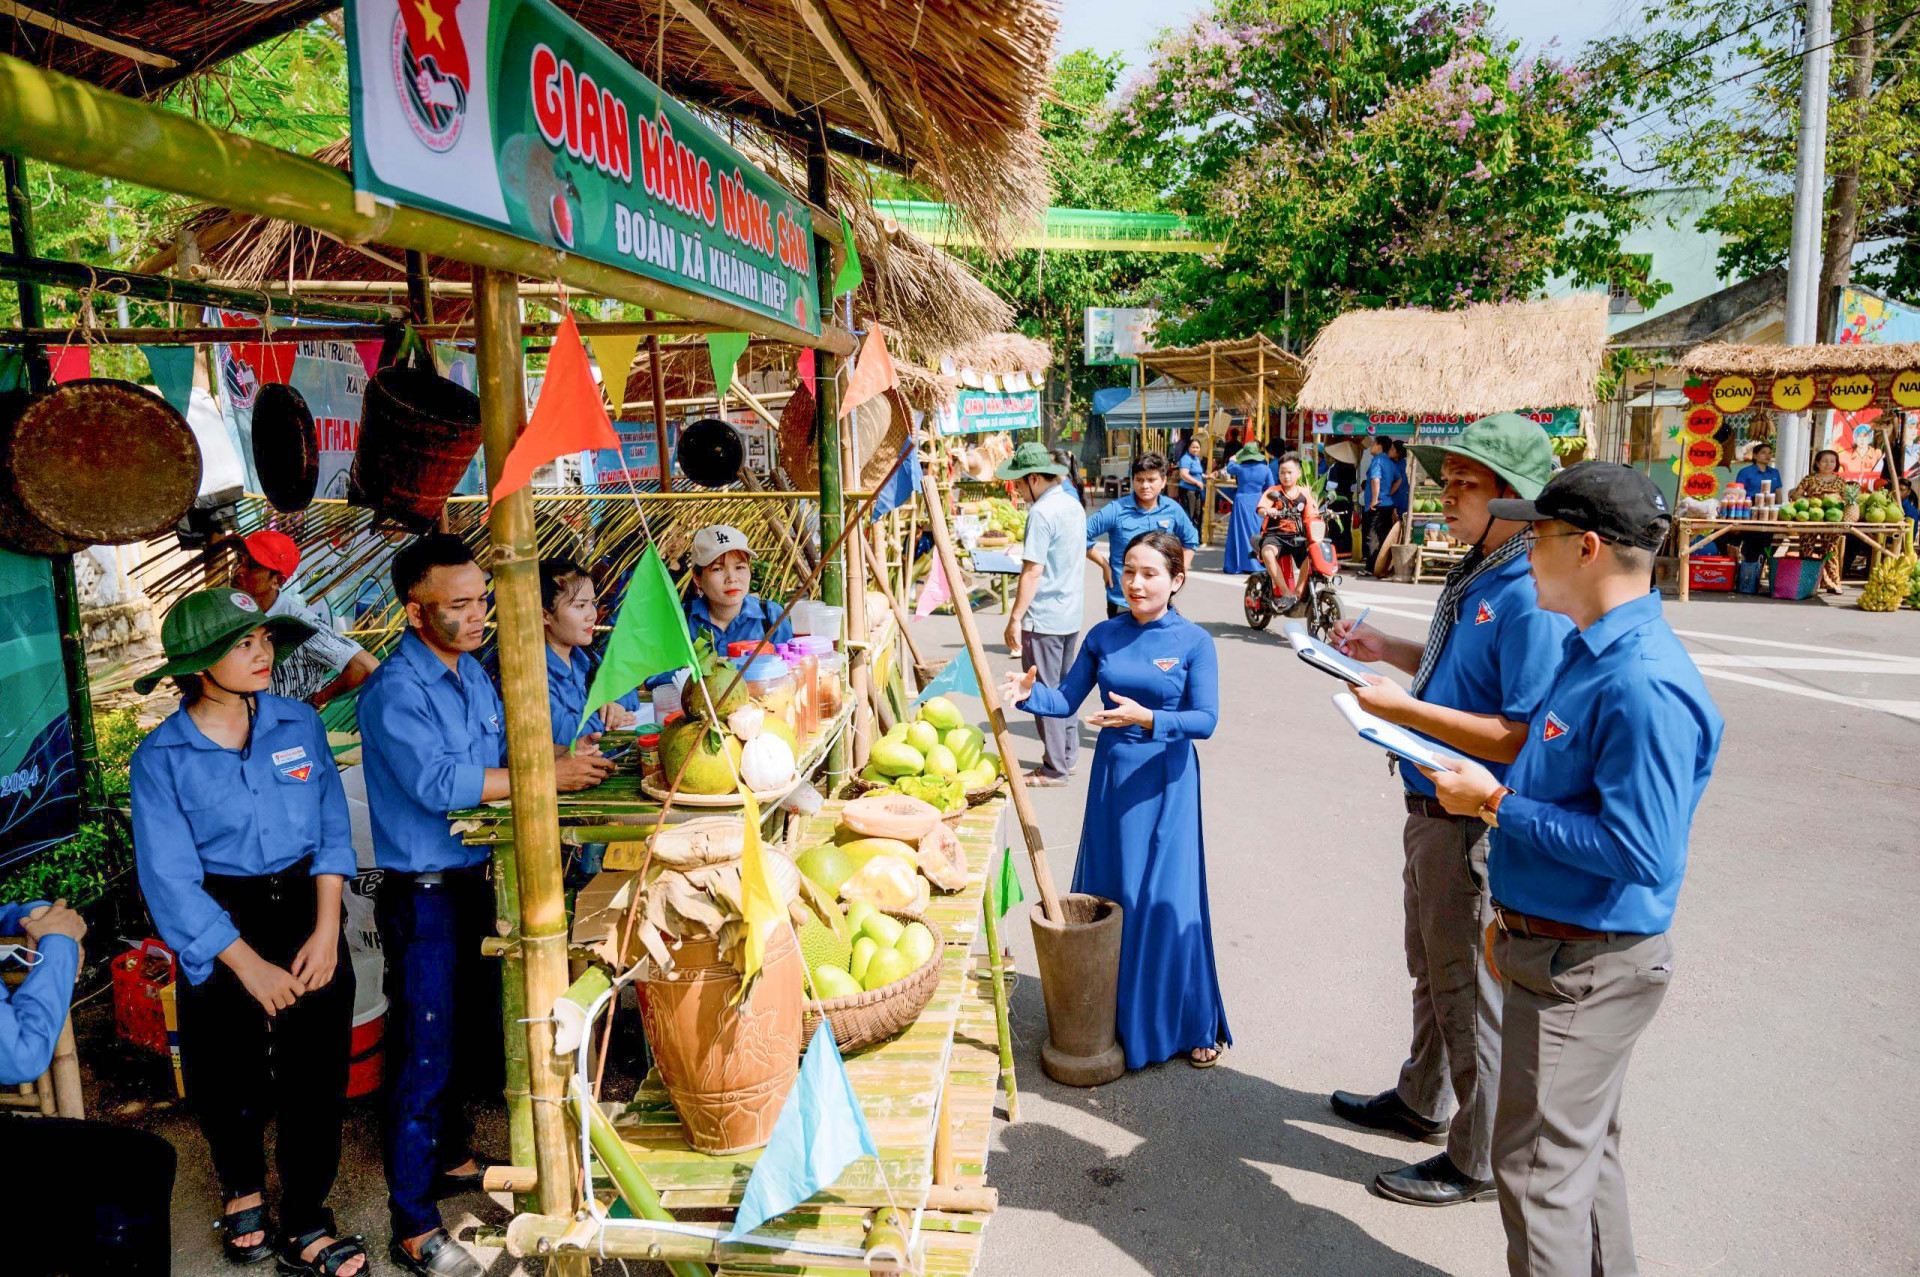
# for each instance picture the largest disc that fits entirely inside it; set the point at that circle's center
(1589, 848)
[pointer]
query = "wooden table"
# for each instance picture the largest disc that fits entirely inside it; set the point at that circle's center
(1689, 534)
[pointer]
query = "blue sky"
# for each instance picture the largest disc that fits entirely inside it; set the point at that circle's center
(1126, 26)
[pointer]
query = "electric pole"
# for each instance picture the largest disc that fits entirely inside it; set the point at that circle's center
(1803, 261)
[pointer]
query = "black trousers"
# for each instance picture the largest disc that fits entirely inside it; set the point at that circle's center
(1374, 526)
(109, 1213)
(243, 1067)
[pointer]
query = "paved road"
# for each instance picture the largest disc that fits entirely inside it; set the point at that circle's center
(1766, 1122)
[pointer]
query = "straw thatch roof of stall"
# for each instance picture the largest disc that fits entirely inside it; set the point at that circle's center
(1720, 360)
(1233, 369)
(999, 353)
(1487, 358)
(911, 286)
(948, 92)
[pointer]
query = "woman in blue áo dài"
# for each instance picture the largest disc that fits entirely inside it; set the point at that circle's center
(242, 844)
(1252, 475)
(1141, 843)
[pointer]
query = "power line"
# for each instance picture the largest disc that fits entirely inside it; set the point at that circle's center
(1742, 29)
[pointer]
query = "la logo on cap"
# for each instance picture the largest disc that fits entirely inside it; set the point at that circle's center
(1554, 729)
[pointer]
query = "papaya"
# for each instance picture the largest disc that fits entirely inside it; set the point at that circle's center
(896, 758)
(889, 816)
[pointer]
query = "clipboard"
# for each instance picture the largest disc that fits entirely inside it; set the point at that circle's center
(1323, 657)
(1393, 738)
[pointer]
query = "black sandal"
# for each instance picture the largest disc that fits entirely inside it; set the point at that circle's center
(448, 1184)
(329, 1260)
(440, 1256)
(251, 1219)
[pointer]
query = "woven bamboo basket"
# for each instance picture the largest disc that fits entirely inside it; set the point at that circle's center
(977, 796)
(859, 786)
(866, 1019)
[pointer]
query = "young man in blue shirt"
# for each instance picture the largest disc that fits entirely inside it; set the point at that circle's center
(1043, 626)
(1590, 832)
(433, 737)
(1142, 510)
(1758, 470)
(1477, 681)
(1378, 499)
(1193, 480)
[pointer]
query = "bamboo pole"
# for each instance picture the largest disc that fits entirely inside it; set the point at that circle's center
(516, 587)
(996, 964)
(879, 577)
(659, 406)
(518, 1091)
(627, 1178)
(990, 695)
(62, 120)
(826, 420)
(1260, 393)
(859, 658)
(68, 1101)
(161, 288)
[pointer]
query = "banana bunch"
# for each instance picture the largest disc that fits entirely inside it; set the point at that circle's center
(1888, 584)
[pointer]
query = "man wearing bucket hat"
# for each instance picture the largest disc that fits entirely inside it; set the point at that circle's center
(434, 741)
(1486, 663)
(242, 844)
(327, 665)
(1043, 626)
(1590, 830)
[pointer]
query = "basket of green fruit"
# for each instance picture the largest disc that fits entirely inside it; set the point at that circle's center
(936, 758)
(882, 980)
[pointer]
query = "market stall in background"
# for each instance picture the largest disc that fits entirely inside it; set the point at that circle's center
(1420, 375)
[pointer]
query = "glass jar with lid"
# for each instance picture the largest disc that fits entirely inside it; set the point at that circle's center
(770, 682)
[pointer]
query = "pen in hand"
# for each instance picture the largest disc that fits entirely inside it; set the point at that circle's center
(1358, 621)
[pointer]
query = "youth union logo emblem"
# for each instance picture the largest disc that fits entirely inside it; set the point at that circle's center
(429, 61)
(1166, 663)
(1554, 729)
(1485, 613)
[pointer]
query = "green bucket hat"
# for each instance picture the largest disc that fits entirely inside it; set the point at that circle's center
(205, 625)
(1506, 443)
(1029, 458)
(1252, 452)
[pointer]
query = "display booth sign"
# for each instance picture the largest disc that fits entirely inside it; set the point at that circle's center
(509, 114)
(1433, 425)
(1801, 392)
(39, 791)
(981, 412)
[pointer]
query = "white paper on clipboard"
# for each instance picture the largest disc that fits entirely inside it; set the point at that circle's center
(1393, 738)
(1325, 658)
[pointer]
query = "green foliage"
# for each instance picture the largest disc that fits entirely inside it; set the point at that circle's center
(1367, 155)
(115, 737)
(80, 870)
(1691, 122)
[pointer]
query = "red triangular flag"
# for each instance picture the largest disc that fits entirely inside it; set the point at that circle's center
(873, 373)
(569, 416)
(805, 368)
(69, 363)
(369, 352)
(271, 361)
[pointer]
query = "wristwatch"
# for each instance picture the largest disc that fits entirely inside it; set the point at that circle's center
(1490, 809)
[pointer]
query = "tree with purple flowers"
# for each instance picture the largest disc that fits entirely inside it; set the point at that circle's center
(1368, 153)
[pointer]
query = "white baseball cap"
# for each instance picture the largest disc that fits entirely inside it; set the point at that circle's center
(712, 542)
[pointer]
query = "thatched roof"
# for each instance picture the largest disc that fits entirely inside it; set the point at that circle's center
(1233, 370)
(911, 287)
(950, 92)
(1486, 358)
(1721, 360)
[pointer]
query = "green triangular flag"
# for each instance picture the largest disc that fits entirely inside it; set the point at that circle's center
(172, 374)
(850, 275)
(725, 349)
(649, 637)
(13, 369)
(1007, 892)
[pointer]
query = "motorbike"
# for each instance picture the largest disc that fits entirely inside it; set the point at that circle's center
(1316, 600)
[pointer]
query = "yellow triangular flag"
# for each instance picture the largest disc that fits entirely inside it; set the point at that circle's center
(760, 910)
(615, 357)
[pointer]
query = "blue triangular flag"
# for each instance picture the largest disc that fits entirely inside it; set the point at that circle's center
(956, 676)
(819, 1133)
(172, 373)
(899, 489)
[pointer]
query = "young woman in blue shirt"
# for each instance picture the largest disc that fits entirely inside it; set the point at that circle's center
(241, 839)
(1141, 843)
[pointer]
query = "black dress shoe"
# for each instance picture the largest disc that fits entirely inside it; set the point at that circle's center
(1385, 1112)
(1434, 1182)
(448, 1184)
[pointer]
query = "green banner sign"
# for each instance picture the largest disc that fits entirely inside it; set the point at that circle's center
(509, 114)
(39, 792)
(982, 412)
(1431, 425)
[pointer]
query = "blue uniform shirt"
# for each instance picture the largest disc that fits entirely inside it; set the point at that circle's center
(428, 738)
(1499, 657)
(1388, 472)
(568, 682)
(200, 808)
(31, 1015)
(1193, 474)
(1750, 478)
(750, 623)
(1595, 830)
(1123, 520)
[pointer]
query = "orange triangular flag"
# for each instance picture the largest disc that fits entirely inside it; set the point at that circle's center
(569, 416)
(873, 372)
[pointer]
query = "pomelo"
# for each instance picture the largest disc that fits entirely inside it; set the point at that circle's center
(829, 865)
(710, 770)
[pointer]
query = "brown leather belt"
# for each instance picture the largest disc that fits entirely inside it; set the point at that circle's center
(1421, 805)
(1520, 924)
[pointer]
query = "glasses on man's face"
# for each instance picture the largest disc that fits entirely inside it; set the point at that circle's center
(1535, 537)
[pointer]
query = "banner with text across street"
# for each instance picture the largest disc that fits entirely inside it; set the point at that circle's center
(1432, 425)
(509, 114)
(984, 411)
